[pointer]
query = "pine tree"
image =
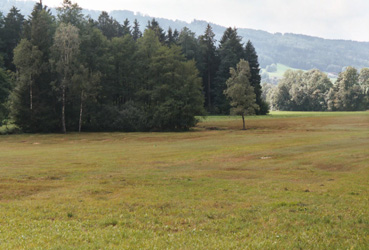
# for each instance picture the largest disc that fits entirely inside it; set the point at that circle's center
(230, 52)
(136, 33)
(189, 44)
(39, 31)
(209, 65)
(12, 33)
(126, 29)
(159, 32)
(109, 26)
(70, 13)
(255, 78)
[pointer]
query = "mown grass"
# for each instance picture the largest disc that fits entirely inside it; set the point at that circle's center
(290, 181)
(281, 69)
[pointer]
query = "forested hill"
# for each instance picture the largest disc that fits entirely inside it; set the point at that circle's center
(296, 51)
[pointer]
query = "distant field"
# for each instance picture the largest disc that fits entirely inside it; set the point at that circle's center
(292, 180)
(281, 69)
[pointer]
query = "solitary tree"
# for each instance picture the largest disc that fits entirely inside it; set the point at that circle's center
(240, 92)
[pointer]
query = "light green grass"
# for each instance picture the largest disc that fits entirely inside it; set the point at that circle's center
(281, 69)
(290, 181)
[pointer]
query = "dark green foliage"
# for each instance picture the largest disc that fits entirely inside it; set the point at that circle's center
(11, 35)
(120, 80)
(43, 115)
(126, 29)
(136, 33)
(190, 45)
(159, 32)
(171, 89)
(5, 88)
(171, 37)
(208, 65)
(230, 52)
(109, 26)
(255, 79)
(70, 13)
(348, 94)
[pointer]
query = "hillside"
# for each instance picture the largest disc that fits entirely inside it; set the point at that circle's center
(292, 50)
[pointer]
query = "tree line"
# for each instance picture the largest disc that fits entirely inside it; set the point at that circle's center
(71, 73)
(313, 91)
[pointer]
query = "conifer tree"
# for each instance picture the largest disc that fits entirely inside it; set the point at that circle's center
(255, 78)
(12, 33)
(136, 33)
(159, 32)
(39, 31)
(230, 52)
(70, 13)
(126, 29)
(209, 65)
(109, 26)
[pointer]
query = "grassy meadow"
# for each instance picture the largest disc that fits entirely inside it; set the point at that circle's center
(281, 69)
(290, 181)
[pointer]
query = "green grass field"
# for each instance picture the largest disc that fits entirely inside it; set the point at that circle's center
(281, 69)
(290, 181)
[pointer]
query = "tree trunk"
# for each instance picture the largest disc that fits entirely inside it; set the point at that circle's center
(209, 88)
(243, 120)
(30, 95)
(80, 113)
(63, 109)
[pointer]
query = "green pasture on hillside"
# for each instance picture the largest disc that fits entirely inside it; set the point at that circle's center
(292, 180)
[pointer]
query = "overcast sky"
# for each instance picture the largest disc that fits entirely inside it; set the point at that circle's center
(336, 19)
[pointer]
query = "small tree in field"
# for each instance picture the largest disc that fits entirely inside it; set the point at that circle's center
(240, 92)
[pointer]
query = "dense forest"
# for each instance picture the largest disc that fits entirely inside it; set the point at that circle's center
(70, 73)
(293, 50)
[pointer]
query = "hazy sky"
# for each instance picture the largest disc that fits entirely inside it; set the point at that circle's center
(336, 19)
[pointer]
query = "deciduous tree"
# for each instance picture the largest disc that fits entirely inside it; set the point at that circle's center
(240, 92)
(66, 48)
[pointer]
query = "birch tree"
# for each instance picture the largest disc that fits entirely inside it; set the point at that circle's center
(66, 48)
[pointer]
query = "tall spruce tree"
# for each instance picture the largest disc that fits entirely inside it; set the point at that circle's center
(159, 32)
(126, 28)
(39, 31)
(136, 33)
(255, 78)
(12, 33)
(70, 13)
(190, 45)
(2, 42)
(109, 26)
(208, 65)
(230, 52)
